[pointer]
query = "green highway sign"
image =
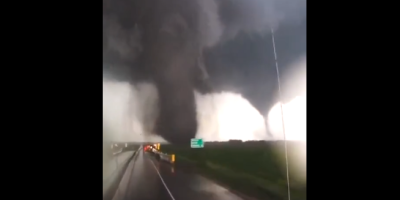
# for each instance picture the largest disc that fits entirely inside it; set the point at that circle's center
(196, 143)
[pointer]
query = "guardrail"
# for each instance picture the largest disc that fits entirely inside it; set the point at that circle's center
(170, 158)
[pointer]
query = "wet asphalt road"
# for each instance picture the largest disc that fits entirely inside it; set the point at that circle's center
(111, 167)
(148, 179)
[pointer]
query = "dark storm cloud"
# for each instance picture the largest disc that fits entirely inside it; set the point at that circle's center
(165, 40)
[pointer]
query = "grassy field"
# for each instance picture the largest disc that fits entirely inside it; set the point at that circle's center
(253, 168)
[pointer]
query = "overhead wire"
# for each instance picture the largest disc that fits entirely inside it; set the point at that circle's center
(282, 117)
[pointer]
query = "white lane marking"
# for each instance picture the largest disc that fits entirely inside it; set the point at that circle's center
(162, 180)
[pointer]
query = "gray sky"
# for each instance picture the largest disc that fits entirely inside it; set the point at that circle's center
(246, 64)
(235, 40)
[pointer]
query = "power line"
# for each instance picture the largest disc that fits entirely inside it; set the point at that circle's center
(281, 103)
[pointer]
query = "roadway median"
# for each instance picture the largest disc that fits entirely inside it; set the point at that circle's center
(113, 170)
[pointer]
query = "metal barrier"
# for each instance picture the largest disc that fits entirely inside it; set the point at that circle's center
(166, 157)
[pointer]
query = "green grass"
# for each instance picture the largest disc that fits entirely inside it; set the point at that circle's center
(256, 170)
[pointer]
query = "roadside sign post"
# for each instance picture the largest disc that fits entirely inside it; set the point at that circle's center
(196, 143)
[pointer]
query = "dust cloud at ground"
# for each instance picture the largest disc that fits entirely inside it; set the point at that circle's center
(130, 112)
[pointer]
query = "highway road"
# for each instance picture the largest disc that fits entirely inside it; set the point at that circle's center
(110, 165)
(148, 179)
(111, 168)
